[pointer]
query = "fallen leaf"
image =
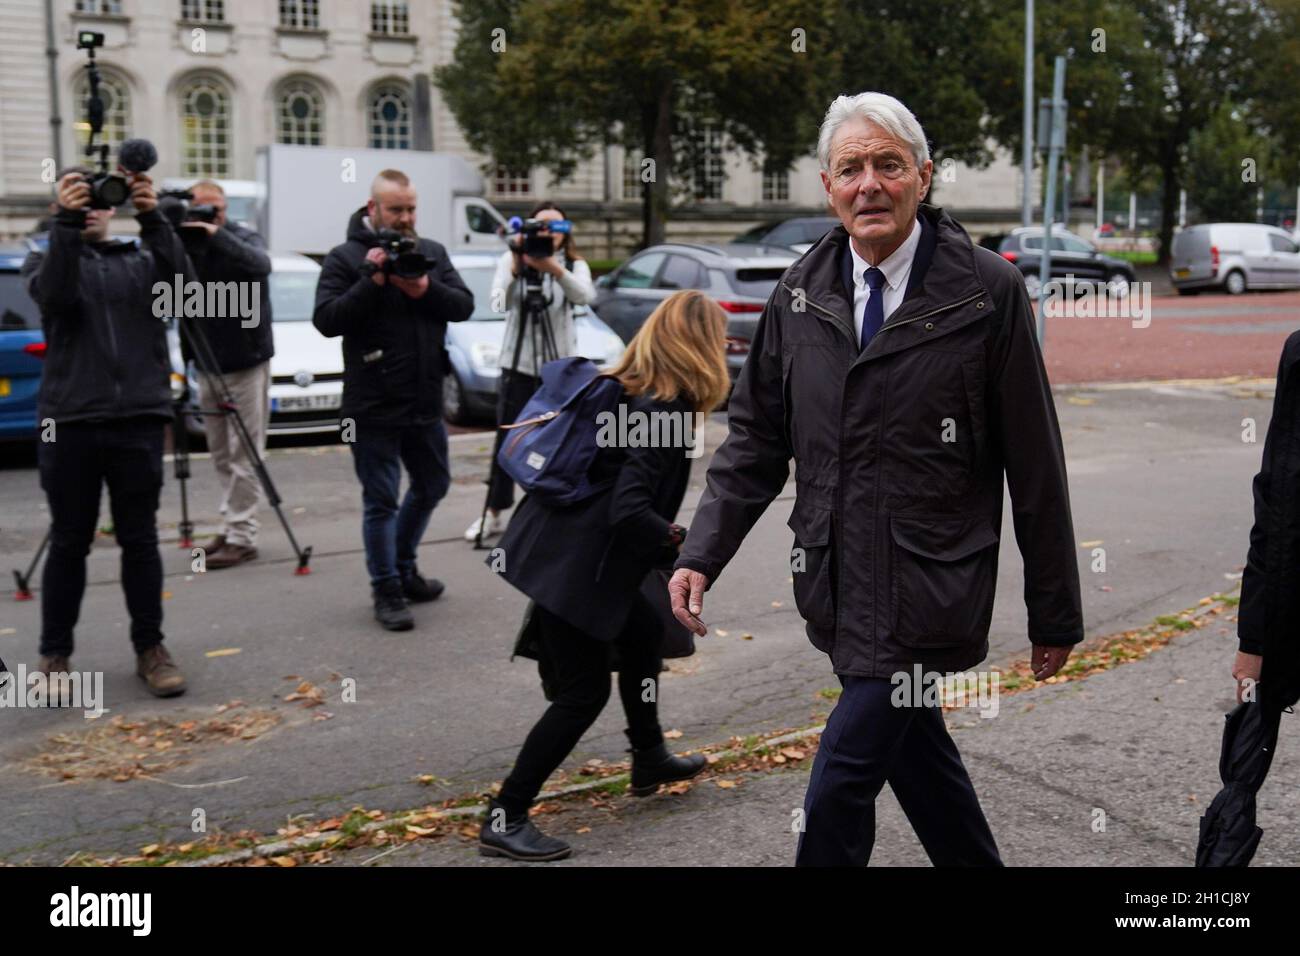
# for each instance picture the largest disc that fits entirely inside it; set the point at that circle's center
(224, 652)
(284, 861)
(725, 784)
(672, 734)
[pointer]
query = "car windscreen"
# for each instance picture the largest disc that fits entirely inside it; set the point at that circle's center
(17, 310)
(758, 282)
(478, 279)
(293, 295)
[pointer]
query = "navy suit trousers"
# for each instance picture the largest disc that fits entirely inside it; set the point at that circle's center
(869, 741)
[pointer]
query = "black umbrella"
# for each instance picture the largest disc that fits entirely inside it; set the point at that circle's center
(1229, 836)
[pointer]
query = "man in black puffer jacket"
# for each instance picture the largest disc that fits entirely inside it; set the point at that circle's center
(394, 358)
(105, 397)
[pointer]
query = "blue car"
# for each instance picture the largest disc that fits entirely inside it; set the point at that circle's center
(22, 348)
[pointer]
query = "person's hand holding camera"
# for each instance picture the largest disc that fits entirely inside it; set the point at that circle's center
(376, 256)
(74, 191)
(413, 288)
(142, 195)
(209, 227)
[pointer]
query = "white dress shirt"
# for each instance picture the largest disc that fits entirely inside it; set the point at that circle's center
(897, 267)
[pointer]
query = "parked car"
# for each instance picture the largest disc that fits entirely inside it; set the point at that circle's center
(307, 369)
(1234, 257)
(474, 347)
(1072, 255)
(740, 278)
(22, 347)
(797, 234)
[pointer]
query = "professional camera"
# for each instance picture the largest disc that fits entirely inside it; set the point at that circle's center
(178, 206)
(401, 256)
(529, 237)
(108, 190)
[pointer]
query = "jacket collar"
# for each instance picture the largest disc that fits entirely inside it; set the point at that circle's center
(943, 274)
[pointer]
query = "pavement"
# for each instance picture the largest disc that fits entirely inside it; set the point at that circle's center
(300, 707)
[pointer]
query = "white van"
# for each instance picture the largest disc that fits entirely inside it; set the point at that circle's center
(1234, 257)
(311, 191)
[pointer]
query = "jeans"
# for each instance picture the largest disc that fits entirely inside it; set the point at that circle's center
(126, 455)
(580, 667)
(868, 741)
(392, 533)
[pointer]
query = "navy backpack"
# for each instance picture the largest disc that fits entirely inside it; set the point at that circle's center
(552, 444)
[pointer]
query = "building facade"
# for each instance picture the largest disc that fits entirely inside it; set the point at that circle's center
(209, 81)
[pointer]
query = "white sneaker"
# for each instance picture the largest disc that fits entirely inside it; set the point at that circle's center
(495, 525)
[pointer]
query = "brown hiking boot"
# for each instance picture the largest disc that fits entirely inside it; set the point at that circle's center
(156, 667)
(228, 555)
(216, 544)
(54, 667)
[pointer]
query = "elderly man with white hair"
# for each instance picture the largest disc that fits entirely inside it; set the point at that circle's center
(896, 363)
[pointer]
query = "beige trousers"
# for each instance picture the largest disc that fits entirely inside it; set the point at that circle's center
(241, 490)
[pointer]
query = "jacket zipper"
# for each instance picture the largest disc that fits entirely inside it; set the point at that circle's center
(112, 334)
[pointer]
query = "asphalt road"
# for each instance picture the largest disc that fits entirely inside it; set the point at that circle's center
(1160, 478)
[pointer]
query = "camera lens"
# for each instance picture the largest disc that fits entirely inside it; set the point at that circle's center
(112, 190)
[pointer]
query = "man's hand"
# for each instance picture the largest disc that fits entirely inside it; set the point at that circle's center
(142, 194)
(686, 592)
(74, 192)
(413, 288)
(1246, 667)
(1047, 660)
(209, 227)
(377, 256)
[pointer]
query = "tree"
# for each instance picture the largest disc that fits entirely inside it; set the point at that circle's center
(1226, 161)
(545, 83)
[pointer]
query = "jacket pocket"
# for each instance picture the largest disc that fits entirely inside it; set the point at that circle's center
(943, 580)
(811, 563)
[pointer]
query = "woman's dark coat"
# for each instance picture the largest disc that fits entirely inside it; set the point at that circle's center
(585, 562)
(1269, 615)
(900, 451)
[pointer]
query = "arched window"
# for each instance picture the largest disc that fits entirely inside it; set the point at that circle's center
(389, 116)
(113, 93)
(300, 114)
(205, 127)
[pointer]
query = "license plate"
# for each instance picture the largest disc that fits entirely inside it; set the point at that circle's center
(5, 387)
(1182, 273)
(305, 403)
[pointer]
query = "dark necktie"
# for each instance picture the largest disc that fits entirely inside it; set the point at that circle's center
(873, 316)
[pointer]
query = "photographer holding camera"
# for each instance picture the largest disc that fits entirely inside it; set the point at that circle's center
(224, 251)
(390, 294)
(565, 282)
(105, 397)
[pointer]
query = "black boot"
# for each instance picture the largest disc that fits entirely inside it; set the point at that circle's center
(416, 587)
(517, 838)
(390, 607)
(655, 765)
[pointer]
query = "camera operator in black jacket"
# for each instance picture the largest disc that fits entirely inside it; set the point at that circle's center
(394, 357)
(223, 252)
(105, 397)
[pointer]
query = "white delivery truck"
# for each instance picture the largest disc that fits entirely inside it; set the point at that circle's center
(308, 193)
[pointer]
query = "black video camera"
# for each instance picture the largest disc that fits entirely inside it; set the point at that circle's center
(178, 206)
(532, 241)
(401, 256)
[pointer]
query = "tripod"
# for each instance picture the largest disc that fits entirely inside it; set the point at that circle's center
(532, 322)
(226, 405)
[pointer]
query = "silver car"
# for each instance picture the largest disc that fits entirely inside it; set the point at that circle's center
(1234, 257)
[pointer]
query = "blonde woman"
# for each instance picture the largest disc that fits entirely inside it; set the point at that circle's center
(583, 566)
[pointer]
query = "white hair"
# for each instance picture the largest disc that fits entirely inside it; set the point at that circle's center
(879, 108)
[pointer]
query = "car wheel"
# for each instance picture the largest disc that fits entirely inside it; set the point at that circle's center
(1234, 283)
(1117, 285)
(453, 399)
(1033, 285)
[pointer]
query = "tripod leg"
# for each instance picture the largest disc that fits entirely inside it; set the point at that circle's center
(181, 463)
(23, 592)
